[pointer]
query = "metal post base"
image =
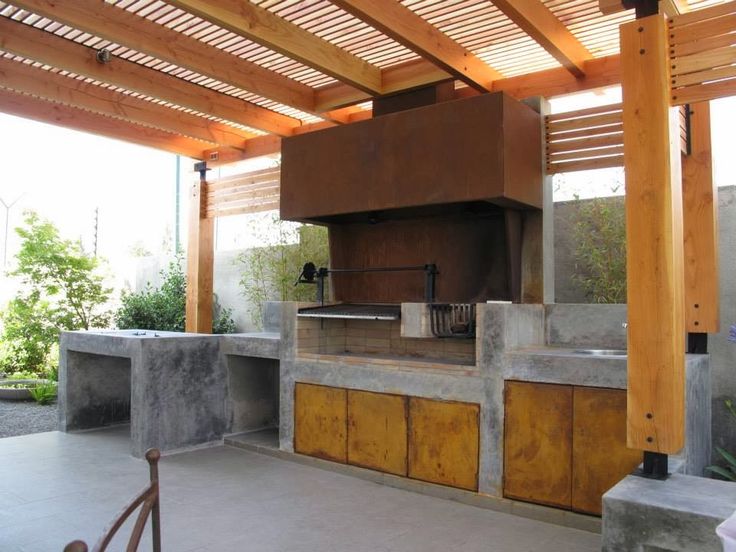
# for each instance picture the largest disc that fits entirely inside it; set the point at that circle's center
(655, 466)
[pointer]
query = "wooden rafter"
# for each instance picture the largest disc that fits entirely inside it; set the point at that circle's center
(278, 34)
(37, 45)
(128, 29)
(406, 27)
(25, 78)
(21, 105)
(536, 20)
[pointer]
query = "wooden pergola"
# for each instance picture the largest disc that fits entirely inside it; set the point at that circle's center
(224, 80)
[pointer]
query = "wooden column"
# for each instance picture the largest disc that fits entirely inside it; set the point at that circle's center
(654, 238)
(200, 257)
(700, 223)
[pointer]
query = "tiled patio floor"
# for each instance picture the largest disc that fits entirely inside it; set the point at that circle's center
(56, 487)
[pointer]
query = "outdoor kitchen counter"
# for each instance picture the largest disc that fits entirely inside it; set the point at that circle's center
(172, 386)
(569, 366)
(255, 344)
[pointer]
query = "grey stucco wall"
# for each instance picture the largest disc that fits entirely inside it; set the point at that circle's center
(723, 352)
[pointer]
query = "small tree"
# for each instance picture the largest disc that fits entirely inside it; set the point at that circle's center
(61, 272)
(61, 290)
(269, 272)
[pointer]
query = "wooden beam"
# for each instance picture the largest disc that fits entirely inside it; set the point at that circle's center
(128, 29)
(599, 72)
(261, 146)
(268, 29)
(536, 20)
(700, 201)
(654, 238)
(406, 27)
(21, 105)
(200, 261)
(25, 78)
(31, 43)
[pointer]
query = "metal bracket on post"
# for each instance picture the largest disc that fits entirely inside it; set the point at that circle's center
(201, 168)
(644, 8)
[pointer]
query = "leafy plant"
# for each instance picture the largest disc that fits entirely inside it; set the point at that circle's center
(44, 393)
(61, 289)
(164, 308)
(729, 470)
(599, 231)
(269, 272)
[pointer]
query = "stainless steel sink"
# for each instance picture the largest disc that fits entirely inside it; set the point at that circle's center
(601, 352)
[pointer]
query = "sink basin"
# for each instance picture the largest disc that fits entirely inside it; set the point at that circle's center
(601, 352)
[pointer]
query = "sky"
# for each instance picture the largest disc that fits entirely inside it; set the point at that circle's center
(66, 176)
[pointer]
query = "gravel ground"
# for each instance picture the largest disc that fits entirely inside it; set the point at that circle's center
(24, 417)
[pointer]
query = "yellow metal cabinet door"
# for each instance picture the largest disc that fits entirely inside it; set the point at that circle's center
(443, 442)
(600, 456)
(377, 431)
(320, 421)
(538, 443)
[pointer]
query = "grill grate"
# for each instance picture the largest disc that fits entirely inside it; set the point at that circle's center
(357, 312)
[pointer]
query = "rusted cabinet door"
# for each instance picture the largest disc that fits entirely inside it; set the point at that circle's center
(377, 431)
(538, 443)
(443, 442)
(600, 456)
(320, 421)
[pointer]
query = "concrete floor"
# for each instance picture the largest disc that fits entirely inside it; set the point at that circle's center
(57, 487)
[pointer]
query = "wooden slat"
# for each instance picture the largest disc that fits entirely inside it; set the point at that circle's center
(25, 78)
(542, 25)
(200, 262)
(583, 112)
(234, 200)
(406, 27)
(585, 133)
(586, 143)
(272, 31)
(26, 41)
(656, 328)
(700, 223)
(702, 45)
(586, 165)
(255, 208)
(701, 15)
(244, 182)
(128, 29)
(21, 105)
(704, 92)
(586, 154)
(704, 60)
(671, 8)
(696, 31)
(583, 122)
(704, 76)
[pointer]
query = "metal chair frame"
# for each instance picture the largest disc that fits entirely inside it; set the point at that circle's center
(148, 501)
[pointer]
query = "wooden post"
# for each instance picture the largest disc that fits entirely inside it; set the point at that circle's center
(654, 238)
(700, 225)
(200, 257)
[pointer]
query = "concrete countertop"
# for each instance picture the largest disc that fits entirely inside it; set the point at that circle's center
(568, 366)
(252, 344)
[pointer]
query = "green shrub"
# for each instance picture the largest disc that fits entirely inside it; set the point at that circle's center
(599, 231)
(728, 470)
(269, 272)
(44, 393)
(164, 308)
